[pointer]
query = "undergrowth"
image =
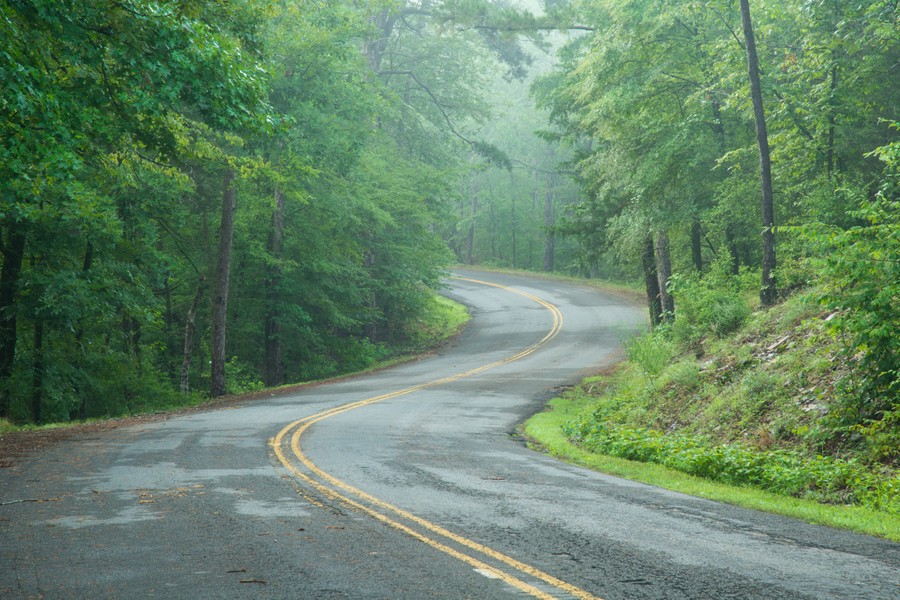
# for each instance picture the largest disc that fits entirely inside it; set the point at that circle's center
(791, 473)
(743, 398)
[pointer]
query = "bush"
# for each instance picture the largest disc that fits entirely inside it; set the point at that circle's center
(709, 306)
(779, 471)
(860, 268)
(651, 352)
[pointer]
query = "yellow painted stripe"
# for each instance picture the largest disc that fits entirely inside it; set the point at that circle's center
(473, 562)
(301, 425)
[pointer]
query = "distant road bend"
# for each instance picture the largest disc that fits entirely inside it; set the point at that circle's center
(407, 483)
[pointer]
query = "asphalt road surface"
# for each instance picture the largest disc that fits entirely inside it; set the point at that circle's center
(410, 483)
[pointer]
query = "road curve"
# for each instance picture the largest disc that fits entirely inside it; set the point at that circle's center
(408, 483)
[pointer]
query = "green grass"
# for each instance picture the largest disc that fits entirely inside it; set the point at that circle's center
(545, 431)
(447, 318)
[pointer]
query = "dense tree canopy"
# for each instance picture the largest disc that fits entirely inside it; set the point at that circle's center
(206, 195)
(674, 108)
(249, 186)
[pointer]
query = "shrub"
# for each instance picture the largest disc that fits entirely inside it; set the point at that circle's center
(780, 471)
(651, 352)
(860, 268)
(712, 305)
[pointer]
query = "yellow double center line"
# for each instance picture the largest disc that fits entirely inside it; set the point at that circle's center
(387, 513)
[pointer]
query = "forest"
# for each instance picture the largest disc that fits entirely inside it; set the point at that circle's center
(202, 197)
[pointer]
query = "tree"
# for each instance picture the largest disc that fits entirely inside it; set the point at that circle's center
(768, 291)
(98, 99)
(221, 284)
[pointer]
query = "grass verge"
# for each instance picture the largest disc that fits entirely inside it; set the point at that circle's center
(544, 432)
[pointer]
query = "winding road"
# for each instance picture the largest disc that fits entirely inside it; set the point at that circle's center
(409, 483)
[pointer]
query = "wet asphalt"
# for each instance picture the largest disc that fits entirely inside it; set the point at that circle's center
(201, 506)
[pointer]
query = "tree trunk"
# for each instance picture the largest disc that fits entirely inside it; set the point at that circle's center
(493, 225)
(190, 327)
(512, 189)
(37, 371)
(718, 125)
(81, 411)
(651, 282)
(664, 273)
(697, 243)
(550, 233)
(470, 237)
(136, 345)
(13, 253)
(829, 154)
(768, 291)
(274, 370)
(222, 285)
(371, 328)
(732, 249)
(374, 47)
(171, 342)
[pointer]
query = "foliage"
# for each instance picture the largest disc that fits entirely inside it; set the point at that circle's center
(780, 471)
(120, 121)
(713, 305)
(655, 106)
(544, 432)
(861, 269)
(651, 352)
(762, 407)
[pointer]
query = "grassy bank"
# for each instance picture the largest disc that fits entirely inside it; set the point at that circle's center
(751, 417)
(545, 432)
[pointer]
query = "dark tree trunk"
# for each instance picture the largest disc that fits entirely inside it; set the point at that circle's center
(513, 197)
(81, 411)
(171, 341)
(37, 371)
(664, 273)
(718, 125)
(274, 370)
(136, 345)
(470, 237)
(190, 327)
(768, 291)
(13, 252)
(732, 249)
(697, 243)
(221, 285)
(171, 350)
(550, 233)
(651, 282)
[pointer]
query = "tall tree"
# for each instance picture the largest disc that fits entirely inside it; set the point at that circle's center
(274, 369)
(768, 291)
(100, 99)
(222, 283)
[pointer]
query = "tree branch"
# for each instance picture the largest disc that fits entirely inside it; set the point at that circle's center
(522, 28)
(434, 99)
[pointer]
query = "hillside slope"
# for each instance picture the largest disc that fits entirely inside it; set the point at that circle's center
(760, 407)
